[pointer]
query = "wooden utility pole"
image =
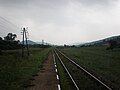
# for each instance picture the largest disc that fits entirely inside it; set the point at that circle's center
(25, 41)
(42, 42)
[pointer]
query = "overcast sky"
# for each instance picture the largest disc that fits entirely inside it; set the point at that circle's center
(61, 21)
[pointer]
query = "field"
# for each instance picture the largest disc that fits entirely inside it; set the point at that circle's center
(103, 63)
(16, 72)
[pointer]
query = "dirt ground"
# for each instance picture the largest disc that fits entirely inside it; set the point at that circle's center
(46, 79)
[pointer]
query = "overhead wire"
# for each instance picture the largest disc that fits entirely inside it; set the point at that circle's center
(8, 22)
(7, 26)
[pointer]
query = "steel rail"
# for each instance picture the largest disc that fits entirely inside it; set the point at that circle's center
(67, 71)
(87, 72)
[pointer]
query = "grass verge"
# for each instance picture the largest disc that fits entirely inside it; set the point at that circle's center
(16, 72)
(102, 62)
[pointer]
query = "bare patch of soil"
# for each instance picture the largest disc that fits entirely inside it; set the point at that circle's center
(46, 79)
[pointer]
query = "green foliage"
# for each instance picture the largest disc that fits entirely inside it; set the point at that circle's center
(9, 42)
(15, 72)
(10, 37)
(8, 45)
(112, 44)
(1, 39)
(39, 46)
(105, 64)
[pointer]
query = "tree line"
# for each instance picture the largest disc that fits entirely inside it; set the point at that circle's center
(9, 42)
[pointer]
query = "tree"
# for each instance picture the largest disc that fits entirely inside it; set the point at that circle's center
(112, 44)
(10, 37)
(9, 42)
(1, 39)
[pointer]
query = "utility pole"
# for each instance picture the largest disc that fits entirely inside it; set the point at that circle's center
(24, 41)
(42, 42)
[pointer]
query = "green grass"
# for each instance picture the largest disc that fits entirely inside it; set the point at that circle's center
(96, 59)
(16, 72)
(83, 82)
(65, 81)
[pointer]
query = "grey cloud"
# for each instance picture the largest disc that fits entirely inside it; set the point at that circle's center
(31, 3)
(61, 21)
(96, 2)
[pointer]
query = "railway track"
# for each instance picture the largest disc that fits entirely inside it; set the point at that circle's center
(80, 77)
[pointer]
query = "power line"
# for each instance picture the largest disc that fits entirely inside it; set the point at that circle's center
(3, 29)
(8, 22)
(7, 28)
(7, 25)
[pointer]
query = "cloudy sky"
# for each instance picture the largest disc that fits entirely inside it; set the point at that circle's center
(61, 21)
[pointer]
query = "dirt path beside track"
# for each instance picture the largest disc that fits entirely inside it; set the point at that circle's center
(46, 79)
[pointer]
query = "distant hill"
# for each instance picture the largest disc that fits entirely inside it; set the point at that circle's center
(30, 42)
(39, 42)
(103, 41)
(44, 43)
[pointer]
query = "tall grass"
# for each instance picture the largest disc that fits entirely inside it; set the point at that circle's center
(103, 62)
(15, 72)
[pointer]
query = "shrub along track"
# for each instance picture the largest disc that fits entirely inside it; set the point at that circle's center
(81, 78)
